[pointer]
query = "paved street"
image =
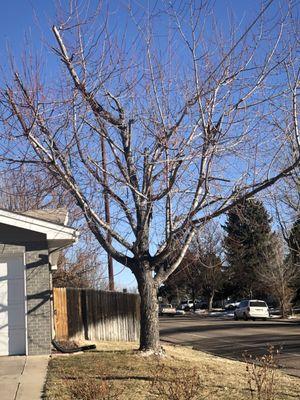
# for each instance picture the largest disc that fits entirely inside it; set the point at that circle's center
(229, 338)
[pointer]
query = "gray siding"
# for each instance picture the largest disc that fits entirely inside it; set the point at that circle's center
(34, 245)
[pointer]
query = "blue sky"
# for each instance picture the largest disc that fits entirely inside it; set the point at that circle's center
(28, 23)
(18, 17)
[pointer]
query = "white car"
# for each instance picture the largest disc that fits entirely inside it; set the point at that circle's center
(252, 309)
(167, 309)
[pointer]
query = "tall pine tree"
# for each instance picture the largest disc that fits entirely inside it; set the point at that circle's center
(247, 246)
(294, 253)
(294, 243)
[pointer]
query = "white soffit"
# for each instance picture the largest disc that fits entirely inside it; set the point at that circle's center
(51, 230)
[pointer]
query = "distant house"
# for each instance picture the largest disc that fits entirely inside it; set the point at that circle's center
(29, 247)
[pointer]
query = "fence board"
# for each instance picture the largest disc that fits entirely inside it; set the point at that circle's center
(96, 315)
(60, 313)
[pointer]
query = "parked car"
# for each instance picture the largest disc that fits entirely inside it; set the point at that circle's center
(186, 305)
(166, 309)
(231, 306)
(252, 309)
(202, 305)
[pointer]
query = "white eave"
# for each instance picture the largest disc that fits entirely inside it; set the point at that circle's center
(55, 233)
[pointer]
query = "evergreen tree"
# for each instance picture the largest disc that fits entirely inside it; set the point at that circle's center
(294, 253)
(247, 246)
(294, 243)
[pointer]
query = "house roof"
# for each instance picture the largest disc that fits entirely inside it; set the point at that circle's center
(58, 216)
(57, 233)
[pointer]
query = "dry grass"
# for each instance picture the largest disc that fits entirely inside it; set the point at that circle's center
(188, 384)
(119, 370)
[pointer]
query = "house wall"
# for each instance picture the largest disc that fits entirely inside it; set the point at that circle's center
(34, 246)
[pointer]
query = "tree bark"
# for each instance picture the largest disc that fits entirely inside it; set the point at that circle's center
(210, 301)
(193, 299)
(149, 335)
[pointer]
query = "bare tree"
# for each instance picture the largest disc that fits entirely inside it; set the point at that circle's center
(212, 278)
(284, 201)
(199, 273)
(278, 275)
(284, 197)
(187, 115)
(82, 271)
(209, 250)
(25, 189)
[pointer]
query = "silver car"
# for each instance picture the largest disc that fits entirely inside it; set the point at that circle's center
(252, 309)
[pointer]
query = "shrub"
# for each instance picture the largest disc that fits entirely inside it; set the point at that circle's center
(91, 388)
(170, 383)
(261, 372)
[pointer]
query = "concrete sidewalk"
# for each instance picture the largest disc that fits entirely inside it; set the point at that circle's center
(22, 378)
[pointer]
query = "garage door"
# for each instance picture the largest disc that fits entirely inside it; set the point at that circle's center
(12, 306)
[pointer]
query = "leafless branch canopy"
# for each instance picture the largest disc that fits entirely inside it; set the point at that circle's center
(193, 119)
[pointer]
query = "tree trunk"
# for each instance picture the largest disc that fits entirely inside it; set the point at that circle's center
(210, 301)
(149, 336)
(285, 308)
(282, 309)
(193, 299)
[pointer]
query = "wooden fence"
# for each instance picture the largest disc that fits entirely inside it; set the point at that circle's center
(95, 315)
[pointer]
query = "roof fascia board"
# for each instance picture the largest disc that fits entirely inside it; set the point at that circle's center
(52, 230)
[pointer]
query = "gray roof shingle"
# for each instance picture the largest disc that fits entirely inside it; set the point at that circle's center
(58, 216)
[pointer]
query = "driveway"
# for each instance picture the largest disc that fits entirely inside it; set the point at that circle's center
(22, 378)
(228, 338)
